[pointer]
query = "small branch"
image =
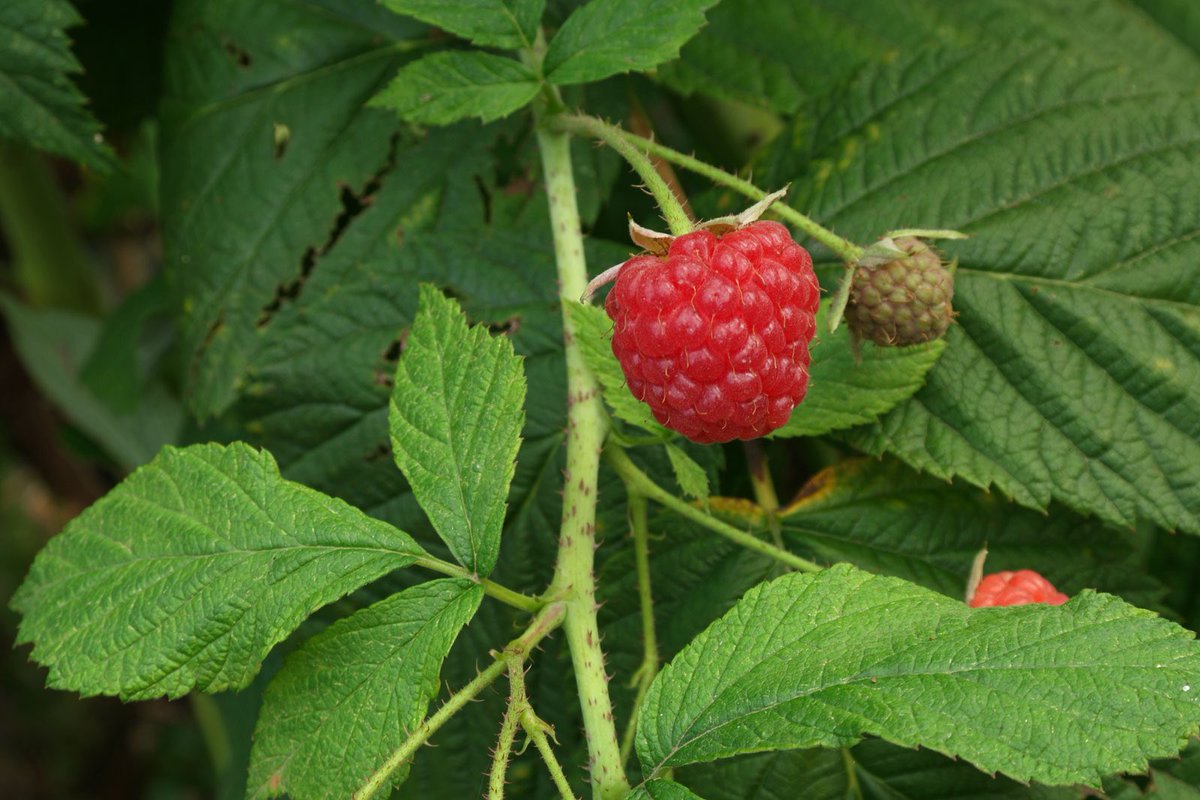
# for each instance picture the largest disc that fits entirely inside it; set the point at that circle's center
(764, 487)
(535, 728)
(508, 732)
(650, 660)
(622, 141)
(845, 249)
(509, 597)
(642, 483)
(546, 621)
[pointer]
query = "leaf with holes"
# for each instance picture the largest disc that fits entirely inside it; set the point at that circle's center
(39, 104)
(446, 87)
(1068, 374)
(823, 659)
(248, 212)
(456, 416)
(345, 700)
(185, 575)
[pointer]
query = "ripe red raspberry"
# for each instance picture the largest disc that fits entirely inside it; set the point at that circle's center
(714, 335)
(1016, 589)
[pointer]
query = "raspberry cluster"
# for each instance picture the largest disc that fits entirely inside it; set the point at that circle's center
(714, 335)
(1015, 589)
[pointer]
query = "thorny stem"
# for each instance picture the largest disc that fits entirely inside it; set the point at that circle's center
(508, 732)
(546, 621)
(845, 249)
(621, 141)
(649, 666)
(574, 580)
(522, 602)
(533, 728)
(641, 482)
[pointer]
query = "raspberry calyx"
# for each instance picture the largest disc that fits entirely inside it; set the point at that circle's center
(1017, 588)
(713, 333)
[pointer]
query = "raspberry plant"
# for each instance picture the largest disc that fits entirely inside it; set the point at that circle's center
(423, 502)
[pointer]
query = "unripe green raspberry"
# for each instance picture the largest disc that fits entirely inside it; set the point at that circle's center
(902, 302)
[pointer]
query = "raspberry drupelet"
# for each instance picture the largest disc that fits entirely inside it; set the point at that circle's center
(714, 336)
(1015, 589)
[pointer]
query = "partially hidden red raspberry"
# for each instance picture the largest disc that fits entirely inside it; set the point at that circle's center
(714, 335)
(1016, 589)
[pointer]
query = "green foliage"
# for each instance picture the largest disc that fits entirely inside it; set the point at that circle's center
(607, 37)
(456, 416)
(690, 476)
(823, 659)
(39, 105)
(446, 87)
(594, 331)
(491, 23)
(663, 789)
(886, 518)
(190, 571)
(844, 390)
(878, 770)
(1073, 338)
(350, 285)
(82, 365)
(348, 697)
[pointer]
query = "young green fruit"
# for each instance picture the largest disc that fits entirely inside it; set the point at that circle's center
(902, 302)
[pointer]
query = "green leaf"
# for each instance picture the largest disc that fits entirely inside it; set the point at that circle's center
(1180, 19)
(882, 771)
(867, 512)
(844, 392)
(446, 87)
(663, 789)
(185, 575)
(56, 347)
(510, 24)
(347, 698)
(1067, 376)
(606, 37)
(249, 218)
(784, 55)
(690, 476)
(1061, 695)
(593, 333)
(39, 104)
(456, 416)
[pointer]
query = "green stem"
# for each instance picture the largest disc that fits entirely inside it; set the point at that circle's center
(535, 729)
(586, 426)
(508, 732)
(853, 789)
(650, 659)
(620, 140)
(50, 263)
(546, 621)
(509, 597)
(212, 730)
(844, 248)
(641, 482)
(764, 487)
